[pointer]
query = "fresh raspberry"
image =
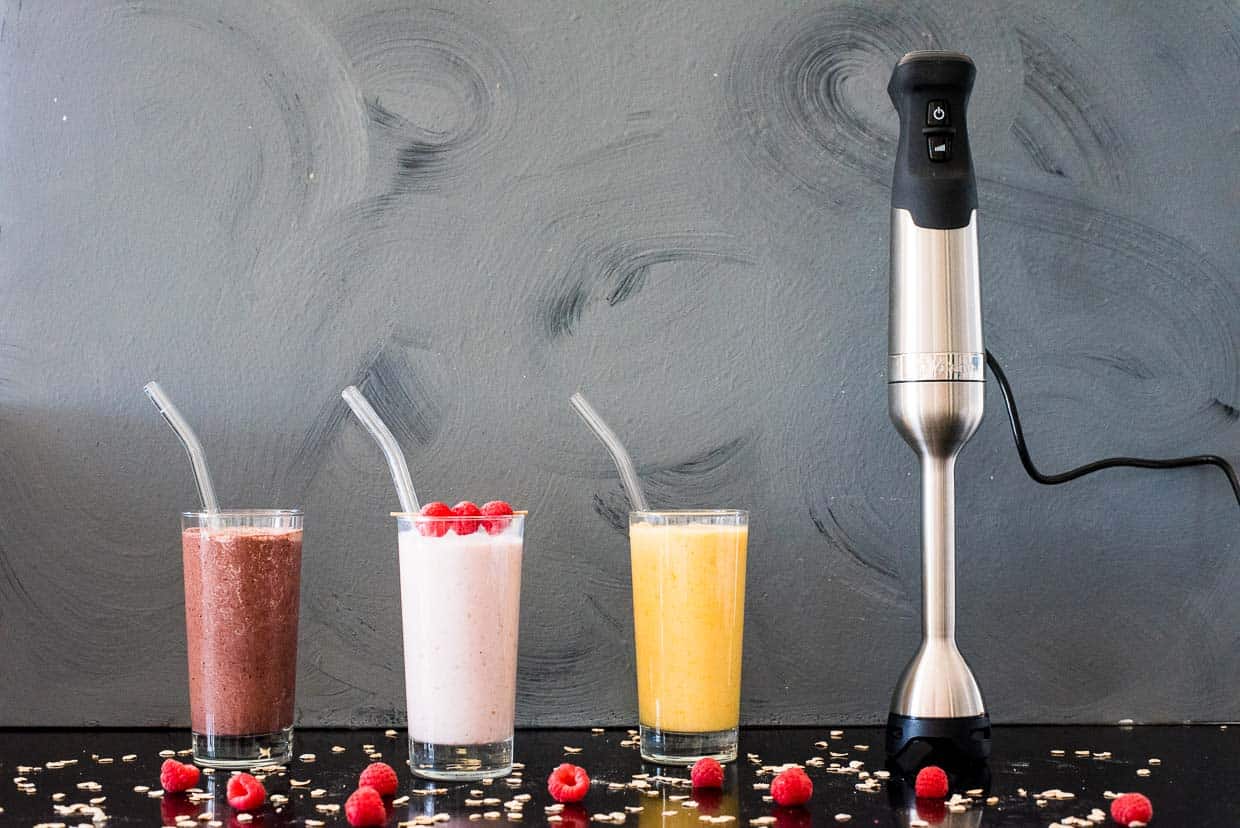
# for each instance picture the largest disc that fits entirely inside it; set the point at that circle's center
(245, 793)
(1131, 807)
(175, 777)
(568, 783)
(792, 787)
(435, 528)
(495, 508)
(931, 783)
(381, 777)
(365, 807)
(706, 773)
(466, 509)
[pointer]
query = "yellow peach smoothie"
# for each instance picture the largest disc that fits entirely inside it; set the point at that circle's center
(688, 616)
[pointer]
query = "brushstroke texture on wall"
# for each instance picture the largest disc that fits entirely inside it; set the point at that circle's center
(473, 209)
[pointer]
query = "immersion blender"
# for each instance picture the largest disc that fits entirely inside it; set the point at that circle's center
(936, 366)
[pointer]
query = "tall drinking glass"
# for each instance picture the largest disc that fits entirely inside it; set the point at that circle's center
(688, 619)
(460, 596)
(242, 589)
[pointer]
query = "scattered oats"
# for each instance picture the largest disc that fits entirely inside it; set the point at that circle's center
(318, 793)
(957, 808)
(106, 760)
(973, 792)
(568, 749)
(1021, 792)
(58, 797)
(167, 754)
(553, 818)
(98, 800)
(918, 823)
(762, 821)
(1110, 795)
(367, 748)
(1143, 771)
(1059, 752)
(244, 817)
(338, 748)
(473, 803)
(992, 800)
(141, 788)
(492, 815)
(1125, 722)
(391, 734)
(491, 800)
(677, 798)
(634, 809)
(861, 747)
(843, 817)
(515, 816)
(307, 757)
(327, 809)
(1056, 794)
(518, 766)
(689, 803)
(1155, 761)
(762, 786)
(1080, 753)
(400, 800)
(315, 823)
(882, 774)
(554, 808)
(154, 794)
(185, 752)
(299, 783)
(597, 730)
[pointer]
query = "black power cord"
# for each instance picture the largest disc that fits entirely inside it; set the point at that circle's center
(1098, 465)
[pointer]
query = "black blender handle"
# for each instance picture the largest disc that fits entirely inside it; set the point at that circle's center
(934, 169)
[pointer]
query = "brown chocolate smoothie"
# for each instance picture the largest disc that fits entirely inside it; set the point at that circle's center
(242, 586)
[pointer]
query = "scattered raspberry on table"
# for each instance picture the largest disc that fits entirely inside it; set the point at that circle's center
(245, 793)
(1131, 807)
(568, 783)
(175, 777)
(381, 777)
(364, 807)
(931, 783)
(706, 773)
(792, 787)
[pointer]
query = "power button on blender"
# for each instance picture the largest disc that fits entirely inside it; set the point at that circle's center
(937, 114)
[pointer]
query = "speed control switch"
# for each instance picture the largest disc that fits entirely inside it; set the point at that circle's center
(939, 147)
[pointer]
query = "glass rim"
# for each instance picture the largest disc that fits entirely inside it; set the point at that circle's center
(690, 513)
(245, 513)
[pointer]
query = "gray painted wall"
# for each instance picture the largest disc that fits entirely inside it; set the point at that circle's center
(473, 209)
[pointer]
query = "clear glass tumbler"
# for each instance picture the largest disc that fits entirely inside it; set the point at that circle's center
(688, 621)
(242, 590)
(460, 596)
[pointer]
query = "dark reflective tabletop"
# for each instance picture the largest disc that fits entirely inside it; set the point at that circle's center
(1190, 781)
